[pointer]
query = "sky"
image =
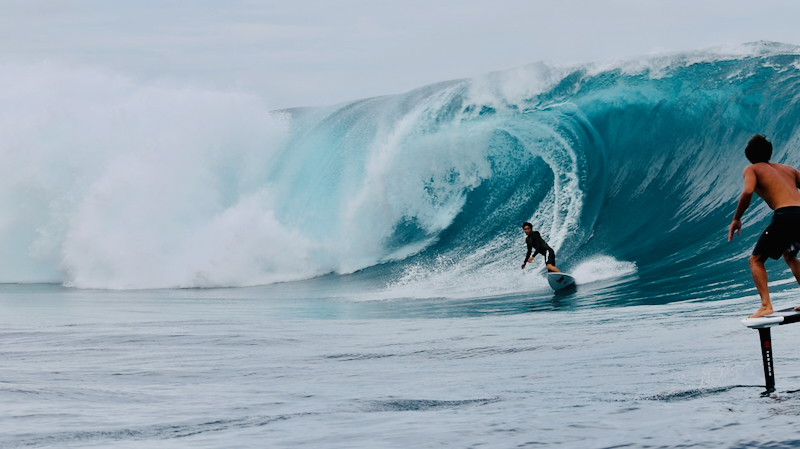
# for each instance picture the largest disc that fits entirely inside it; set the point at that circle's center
(313, 52)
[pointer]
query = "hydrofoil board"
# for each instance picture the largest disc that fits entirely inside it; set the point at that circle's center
(777, 318)
(560, 280)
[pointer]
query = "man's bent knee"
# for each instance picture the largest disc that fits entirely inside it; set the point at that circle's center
(756, 260)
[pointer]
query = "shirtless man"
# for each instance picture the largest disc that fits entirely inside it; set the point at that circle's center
(535, 240)
(777, 184)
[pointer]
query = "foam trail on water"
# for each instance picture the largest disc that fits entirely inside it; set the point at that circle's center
(600, 268)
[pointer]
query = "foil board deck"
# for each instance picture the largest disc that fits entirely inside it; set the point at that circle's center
(777, 318)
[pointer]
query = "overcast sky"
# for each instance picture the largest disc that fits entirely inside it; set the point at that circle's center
(310, 52)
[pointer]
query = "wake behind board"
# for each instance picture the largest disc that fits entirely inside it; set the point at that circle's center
(777, 318)
(560, 280)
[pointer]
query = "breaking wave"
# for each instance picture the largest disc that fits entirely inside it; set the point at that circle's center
(625, 167)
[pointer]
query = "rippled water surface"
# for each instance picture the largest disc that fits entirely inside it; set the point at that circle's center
(237, 368)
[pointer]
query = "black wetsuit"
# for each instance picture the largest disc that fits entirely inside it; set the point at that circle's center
(535, 241)
(782, 234)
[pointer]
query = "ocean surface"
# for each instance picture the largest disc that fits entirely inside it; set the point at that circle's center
(188, 268)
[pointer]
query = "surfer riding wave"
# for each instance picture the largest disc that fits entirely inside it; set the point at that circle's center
(535, 241)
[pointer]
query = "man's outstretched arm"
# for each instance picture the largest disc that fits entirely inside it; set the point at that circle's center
(750, 181)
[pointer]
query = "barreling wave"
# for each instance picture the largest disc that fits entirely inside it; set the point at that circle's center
(623, 166)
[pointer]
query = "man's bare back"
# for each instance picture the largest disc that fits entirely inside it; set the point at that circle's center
(777, 184)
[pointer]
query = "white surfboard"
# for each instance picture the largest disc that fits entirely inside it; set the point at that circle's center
(560, 280)
(780, 317)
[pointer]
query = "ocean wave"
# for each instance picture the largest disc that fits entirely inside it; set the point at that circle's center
(624, 166)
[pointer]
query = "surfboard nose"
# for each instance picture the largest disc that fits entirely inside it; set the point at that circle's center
(558, 281)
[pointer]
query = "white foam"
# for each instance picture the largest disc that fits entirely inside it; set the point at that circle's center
(600, 268)
(110, 184)
(471, 276)
(464, 278)
(514, 87)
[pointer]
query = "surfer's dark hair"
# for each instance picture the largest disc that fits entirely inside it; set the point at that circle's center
(526, 224)
(758, 149)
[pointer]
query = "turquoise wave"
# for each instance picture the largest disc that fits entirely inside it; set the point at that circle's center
(638, 160)
(630, 169)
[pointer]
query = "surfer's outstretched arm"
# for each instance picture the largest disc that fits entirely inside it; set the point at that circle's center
(750, 181)
(528, 257)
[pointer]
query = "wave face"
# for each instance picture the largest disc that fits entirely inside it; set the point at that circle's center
(625, 167)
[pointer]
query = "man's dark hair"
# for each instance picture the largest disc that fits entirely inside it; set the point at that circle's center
(526, 224)
(758, 149)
